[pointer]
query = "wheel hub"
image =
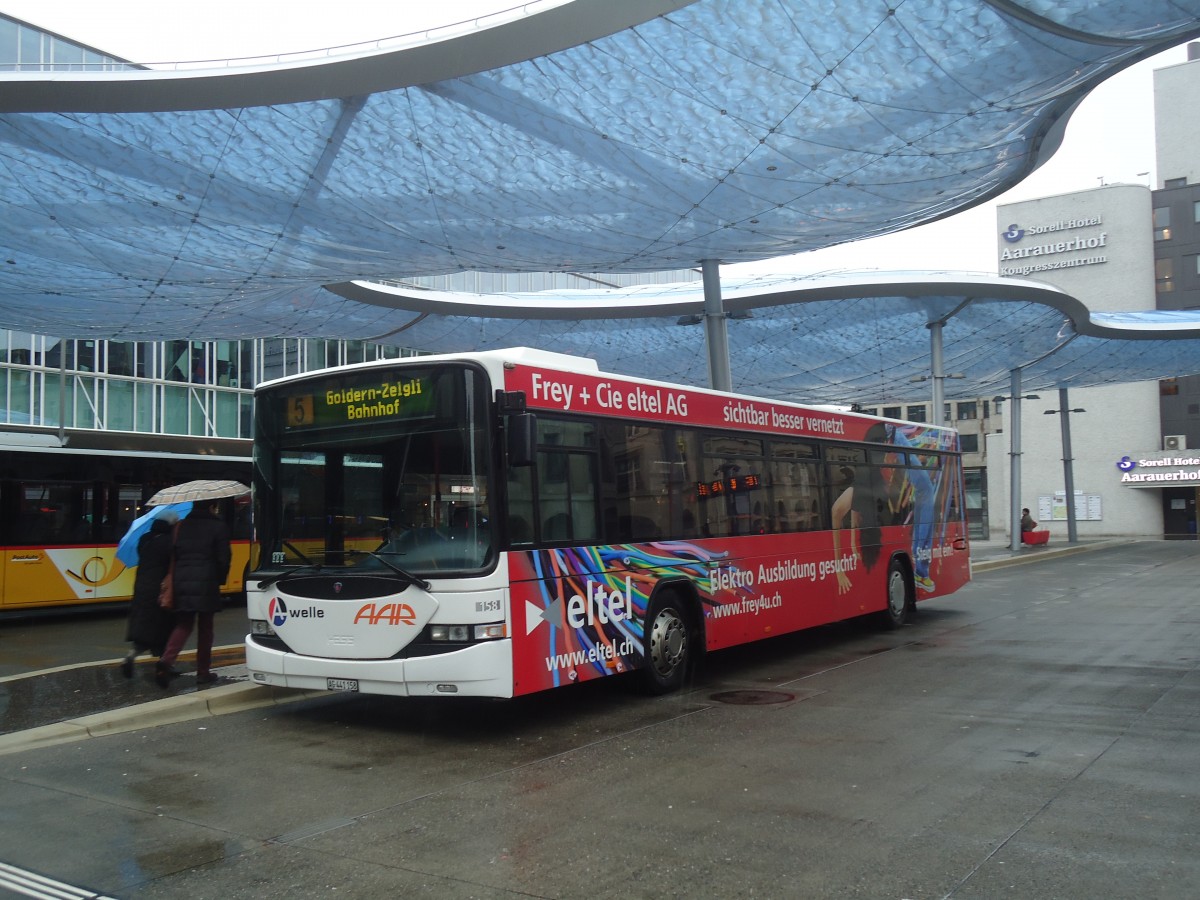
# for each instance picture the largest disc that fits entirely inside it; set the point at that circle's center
(667, 642)
(897, 595)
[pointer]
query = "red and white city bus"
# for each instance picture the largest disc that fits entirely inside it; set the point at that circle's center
(495, 524)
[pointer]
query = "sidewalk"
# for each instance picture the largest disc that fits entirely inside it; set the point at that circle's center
(996, 553)
(77, 702)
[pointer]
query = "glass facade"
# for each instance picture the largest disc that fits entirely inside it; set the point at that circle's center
(199, 388)
(23, 47)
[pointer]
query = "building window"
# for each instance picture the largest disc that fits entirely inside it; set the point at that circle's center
(891, 412)
(1194, 409)
(1162, 223)
(1168, 387)
(1175, 183)
(916, 413)
(869, 411)
(1195, 258)
(968, 410)
(987, 408)
(969, 443)
(1164, 275)
(1196, 210)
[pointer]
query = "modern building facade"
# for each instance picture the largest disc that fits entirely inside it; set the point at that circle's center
(1177, 263)
(1135, 448)
(25, 48)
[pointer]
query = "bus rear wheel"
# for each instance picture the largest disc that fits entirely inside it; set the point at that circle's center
(899, 597)
(668, 646)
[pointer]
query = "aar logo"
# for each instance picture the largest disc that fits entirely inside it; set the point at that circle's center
(386, 614)
(1014, 233)
(277, 612)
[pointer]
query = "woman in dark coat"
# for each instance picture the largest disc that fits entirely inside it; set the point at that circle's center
(202, 557)
(149, 625)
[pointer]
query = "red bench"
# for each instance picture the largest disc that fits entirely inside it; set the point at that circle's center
(1034, 537)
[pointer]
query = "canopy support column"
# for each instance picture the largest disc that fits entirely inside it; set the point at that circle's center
(1064, 411)
(1014, 489)
(716, 331)
(937, 370)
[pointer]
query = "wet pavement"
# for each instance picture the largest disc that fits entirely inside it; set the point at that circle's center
(1032, 736)
(87, 689)
(66, 688)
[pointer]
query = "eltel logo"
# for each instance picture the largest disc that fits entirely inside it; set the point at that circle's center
(386, 614)
(1013, 234)
(599, 606)
(1126, 464)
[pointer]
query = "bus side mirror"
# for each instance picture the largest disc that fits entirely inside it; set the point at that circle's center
(522, 439)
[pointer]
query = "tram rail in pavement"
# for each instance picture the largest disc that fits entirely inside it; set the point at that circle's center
(78, 702)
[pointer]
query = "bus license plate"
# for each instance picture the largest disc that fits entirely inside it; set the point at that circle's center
(341, 684)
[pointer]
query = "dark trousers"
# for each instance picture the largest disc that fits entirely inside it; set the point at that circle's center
(184, 622)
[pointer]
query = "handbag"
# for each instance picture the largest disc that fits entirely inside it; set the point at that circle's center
(166, 590)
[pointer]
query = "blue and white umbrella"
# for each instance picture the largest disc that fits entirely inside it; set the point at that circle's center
(127, 547)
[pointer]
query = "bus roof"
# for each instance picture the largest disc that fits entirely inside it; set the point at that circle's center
(498, 361)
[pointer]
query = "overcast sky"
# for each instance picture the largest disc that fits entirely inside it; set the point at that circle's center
(1110, 137)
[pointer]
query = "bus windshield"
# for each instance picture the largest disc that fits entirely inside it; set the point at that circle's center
(383, 469)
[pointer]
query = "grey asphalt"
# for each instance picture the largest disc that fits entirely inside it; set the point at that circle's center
(1033, 736)
(60, 675)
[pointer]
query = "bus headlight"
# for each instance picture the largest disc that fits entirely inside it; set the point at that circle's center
(458, 633)
(461, 634)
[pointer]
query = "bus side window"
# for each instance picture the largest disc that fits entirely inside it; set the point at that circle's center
(518, 530)
(557, 528)
(567, 507)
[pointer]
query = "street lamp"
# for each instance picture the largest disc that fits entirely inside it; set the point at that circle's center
(1068, 474)
(1014, 456)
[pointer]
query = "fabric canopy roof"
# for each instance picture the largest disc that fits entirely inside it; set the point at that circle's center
(590, 136)
(833, 338)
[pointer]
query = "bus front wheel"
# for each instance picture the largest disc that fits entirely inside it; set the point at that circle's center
(899, 596)
(668, 645)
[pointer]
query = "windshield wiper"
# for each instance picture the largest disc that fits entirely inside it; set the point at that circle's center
(409, 576)
(310, 566)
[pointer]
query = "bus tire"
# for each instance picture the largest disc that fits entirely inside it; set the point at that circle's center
(667, 640)
(899, 596)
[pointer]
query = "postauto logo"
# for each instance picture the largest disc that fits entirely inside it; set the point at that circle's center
(1014, 233)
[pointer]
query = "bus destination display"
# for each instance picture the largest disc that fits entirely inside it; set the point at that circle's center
(340, 403)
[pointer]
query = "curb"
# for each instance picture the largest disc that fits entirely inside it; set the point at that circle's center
(168, 711)
(1022, 557)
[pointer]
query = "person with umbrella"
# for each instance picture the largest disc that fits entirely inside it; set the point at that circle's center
(147, 545)
(202, 557)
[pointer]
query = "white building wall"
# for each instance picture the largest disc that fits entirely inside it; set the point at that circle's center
(1097, 245)
(1116, 273)
(1120, 420)
(1177, 135)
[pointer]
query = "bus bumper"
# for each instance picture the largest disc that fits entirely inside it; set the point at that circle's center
(483, 670)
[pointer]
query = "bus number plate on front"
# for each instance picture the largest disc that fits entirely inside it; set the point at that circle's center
(341, 684)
